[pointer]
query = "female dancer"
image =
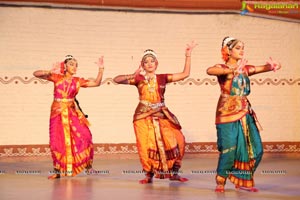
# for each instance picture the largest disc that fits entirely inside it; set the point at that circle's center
(159, 139)
(239, 141)
(70, 138)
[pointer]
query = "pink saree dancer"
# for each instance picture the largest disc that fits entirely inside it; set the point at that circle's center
(70, 138)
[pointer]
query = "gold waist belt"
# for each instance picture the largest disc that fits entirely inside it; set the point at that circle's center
(233, 96)
(153, 105)
(64, 100)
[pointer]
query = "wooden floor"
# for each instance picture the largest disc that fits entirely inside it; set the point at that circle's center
(276, 178)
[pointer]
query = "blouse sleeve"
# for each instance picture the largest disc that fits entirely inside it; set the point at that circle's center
(136, 80)
(250, 69)
(83, 82)
(169, 78)
(132, 81)
(54, 77)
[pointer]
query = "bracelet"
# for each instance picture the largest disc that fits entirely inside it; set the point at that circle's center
(46, 73)
(254, 70)
(273, 67)
(186, 55)
(101, 68)
(129, 76)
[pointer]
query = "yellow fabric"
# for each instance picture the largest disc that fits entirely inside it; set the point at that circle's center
(159, 139)
(231, 108)
(171, 139)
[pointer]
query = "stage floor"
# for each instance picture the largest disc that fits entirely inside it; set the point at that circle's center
(276, 178)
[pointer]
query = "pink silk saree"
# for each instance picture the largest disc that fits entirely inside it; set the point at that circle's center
(70, 138)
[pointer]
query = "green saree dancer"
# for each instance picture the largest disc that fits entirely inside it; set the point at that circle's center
(239, 141)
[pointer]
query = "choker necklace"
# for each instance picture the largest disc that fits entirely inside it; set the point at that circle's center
(231, 66)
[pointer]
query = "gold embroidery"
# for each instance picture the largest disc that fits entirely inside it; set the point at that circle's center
(228, 150)
(247, 137)
(160, 144)
(67, 133)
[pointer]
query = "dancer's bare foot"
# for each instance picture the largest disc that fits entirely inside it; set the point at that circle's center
(176, 177)
(220, 188)
(54, 176)
(146, 180)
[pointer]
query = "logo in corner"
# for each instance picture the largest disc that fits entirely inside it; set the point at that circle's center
(246, 8)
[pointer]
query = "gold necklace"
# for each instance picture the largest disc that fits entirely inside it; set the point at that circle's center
(67, 82)
(151, 87)
(231, 66)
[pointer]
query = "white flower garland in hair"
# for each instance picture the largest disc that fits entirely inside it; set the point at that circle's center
(68, 57)
(149, 52)
(227, 40)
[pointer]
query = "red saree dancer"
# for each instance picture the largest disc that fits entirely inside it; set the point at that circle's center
(70, 138)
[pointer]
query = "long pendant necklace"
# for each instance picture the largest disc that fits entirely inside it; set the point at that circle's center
(66, 87)
(151, 83)
(242, 85)
(233, 68)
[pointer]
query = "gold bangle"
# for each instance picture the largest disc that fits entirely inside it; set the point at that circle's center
(254, 70)
(46, 73)
(129, 76)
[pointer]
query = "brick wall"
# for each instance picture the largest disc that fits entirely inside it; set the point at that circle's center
(35, 38)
